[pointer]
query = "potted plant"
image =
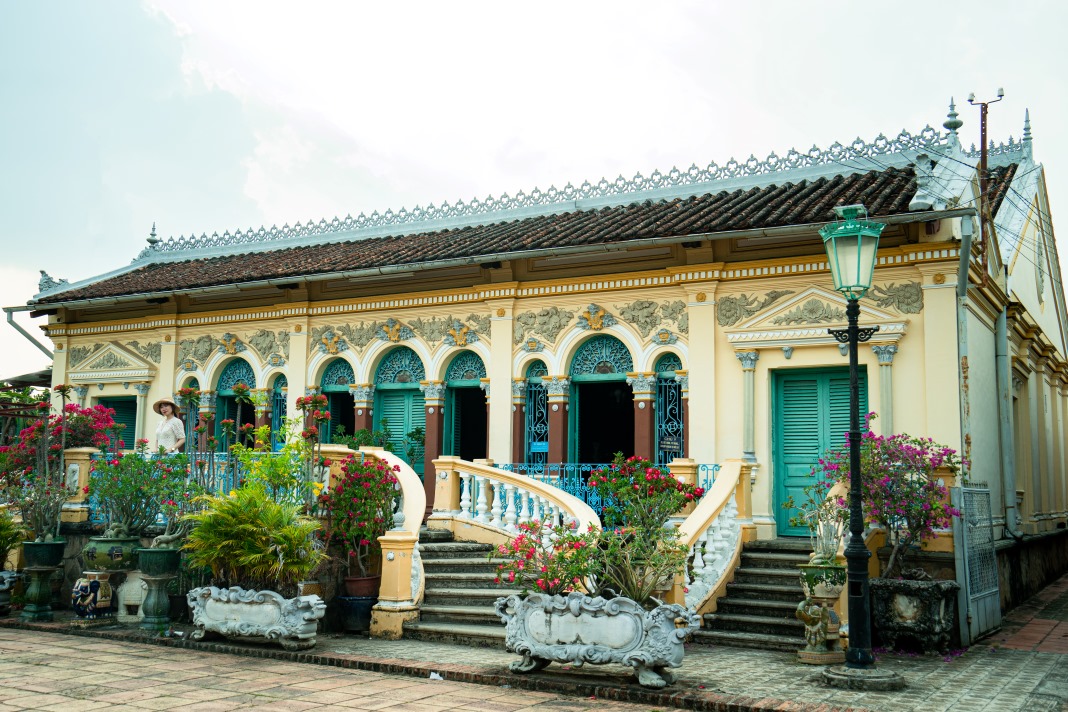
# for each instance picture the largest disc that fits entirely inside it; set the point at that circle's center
(360, 506)
(593, 598)
(903, 495)
(11, 535)
(822, 578)
(34, 481)
(250, 541)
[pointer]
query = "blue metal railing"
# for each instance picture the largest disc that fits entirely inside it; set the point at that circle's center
(571, 477)
(706, 475)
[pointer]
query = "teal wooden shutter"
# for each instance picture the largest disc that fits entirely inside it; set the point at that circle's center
(838, 407)
(125, 408)
(392, 407)
(416, 419)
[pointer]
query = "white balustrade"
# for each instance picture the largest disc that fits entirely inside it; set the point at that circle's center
(713, 553)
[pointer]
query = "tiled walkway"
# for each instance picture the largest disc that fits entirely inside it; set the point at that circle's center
(1024, 667)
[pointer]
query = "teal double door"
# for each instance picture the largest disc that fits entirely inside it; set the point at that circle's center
(811, 414)
(404, 410)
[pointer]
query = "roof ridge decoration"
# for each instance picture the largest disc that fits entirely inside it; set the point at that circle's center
(836, 153)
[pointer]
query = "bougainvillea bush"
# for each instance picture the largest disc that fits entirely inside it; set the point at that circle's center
(551, 560)
(131, 488)
(360, 505)
(901, 492)
(640, 495)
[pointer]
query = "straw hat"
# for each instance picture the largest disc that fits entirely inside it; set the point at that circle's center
(175, 410)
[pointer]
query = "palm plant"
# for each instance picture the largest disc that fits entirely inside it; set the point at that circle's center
(246, 538)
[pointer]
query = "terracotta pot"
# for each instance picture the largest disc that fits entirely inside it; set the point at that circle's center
(363, 585)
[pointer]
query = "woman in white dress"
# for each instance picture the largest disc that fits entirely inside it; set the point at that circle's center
(170, 433)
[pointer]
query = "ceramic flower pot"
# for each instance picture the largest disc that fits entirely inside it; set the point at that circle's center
(107, 554)
(363, 586)
(575, 628)
(43, 553)
(93, 595)
(158, 562)
(822, 580)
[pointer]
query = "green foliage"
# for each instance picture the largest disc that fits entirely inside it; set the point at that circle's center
(132, 488)
(382, 437)
(11, 535)
(248, 539)
(563, 566)
(636, 563)
(639, 494)
(281, 473)
(824, 516)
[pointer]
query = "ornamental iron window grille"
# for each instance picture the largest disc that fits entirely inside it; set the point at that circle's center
(337, 376)
(401, 365)
(237, 371)
(602, 354)
(466, 366)
(279, 410)
(668, 364)
(537, 415)
(670, 435)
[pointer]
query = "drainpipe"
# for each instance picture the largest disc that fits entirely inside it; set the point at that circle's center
(1008, 446)
(966, 228)
(11, 320)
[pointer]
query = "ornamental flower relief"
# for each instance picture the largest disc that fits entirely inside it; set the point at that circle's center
(327, 341)
(198, 349)
(359, 335)
(230, 344)
(78, 354)
(268, 343)
(548, 322)
(907, 298)
(813, 311)
(594, 318)
(646, 315)
(153, 350)
(732, 309)
(394, 331)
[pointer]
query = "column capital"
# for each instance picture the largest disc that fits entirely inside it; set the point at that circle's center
(433, 391)
(748, 359)
(558, 388)
(885, 353)
(519, 390)
(362, 392)
(142, 388)
(643, 384)
(81, 392)
(683, 379)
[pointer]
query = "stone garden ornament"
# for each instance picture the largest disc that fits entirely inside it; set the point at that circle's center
(252, 616)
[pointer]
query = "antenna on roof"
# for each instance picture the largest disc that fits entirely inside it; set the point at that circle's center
(984, 183)
(152, 239)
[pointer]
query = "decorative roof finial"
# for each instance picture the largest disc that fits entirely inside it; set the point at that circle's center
(1027, 133)
(152, 239)
(952, 123)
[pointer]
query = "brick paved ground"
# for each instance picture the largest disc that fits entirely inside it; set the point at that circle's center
(1023, 667)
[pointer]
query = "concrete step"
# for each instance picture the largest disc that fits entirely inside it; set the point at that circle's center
(772, 559)
(792, 545)
(461, 580)
(479, 615)
(454, 549)
(765, 592)
(478, 636)
(427, 536)
(751, 607)
(737, 639)
(761, 575)
(466, 596)
(462, 565)
(761, 625)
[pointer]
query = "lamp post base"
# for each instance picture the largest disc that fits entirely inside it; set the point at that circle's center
(867, 679)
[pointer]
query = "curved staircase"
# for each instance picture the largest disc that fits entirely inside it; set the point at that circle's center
(758, 610)
(459, 593)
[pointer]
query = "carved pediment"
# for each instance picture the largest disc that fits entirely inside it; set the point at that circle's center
(111, 363)
(803, 318)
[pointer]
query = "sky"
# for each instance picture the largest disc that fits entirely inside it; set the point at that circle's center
(206, 116)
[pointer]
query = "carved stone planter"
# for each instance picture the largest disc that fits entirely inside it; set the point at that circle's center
(255, 616)
(918, 613)
(577, 629)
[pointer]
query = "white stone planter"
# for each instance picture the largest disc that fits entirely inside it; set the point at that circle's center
(577, 629)
(255, 616)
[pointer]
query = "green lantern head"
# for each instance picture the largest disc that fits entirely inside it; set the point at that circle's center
(852, 243)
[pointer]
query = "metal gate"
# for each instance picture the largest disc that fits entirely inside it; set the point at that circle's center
(537, 422)
(669, 431)
(979, 602)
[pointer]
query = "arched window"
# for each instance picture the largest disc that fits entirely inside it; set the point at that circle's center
(602, 355)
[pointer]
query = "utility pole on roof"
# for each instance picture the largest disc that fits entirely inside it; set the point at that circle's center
(984, 181)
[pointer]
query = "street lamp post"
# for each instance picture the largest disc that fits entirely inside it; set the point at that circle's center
(852, 243)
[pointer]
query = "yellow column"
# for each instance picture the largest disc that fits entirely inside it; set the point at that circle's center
(941, 365)
(701, 357)
(499, 371)
(297, 366)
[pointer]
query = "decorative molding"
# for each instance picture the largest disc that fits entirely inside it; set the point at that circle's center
(153, 350)
(267, 342)
(394, 331)
(362, 392)
(532, 345)
(748, 359)
(683, 379)
(199, 349)
(338, 373)
(885, 353)
(813, 311)
(327, 341)
(843, 349)
(732, 309)
(547, 322)
(47, 283)
(460, 334)
(907, 298)
(642, 382)
(360, 335)
(81, 391)
(188, 365)
(452, 331)
(110, 360)
(276, 360)
(676, 311)
(664, 336)
(78, 354)
(432, 390)
(401, 365)
(788, 352)
(466, 366)
(673, 183)
(519, 388)
(230, 344)
(595, 317)
(142, 388)
(642, 314)
(601, 354)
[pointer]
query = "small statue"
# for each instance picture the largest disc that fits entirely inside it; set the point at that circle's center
(816, 620)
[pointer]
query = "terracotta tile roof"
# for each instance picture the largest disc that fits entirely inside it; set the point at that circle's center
(885, 193)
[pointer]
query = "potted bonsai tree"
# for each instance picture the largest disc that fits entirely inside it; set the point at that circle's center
(903, 495)
(598, 585)
(252, 542)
